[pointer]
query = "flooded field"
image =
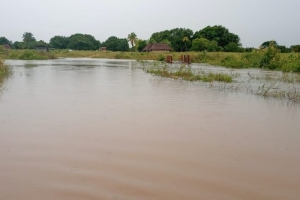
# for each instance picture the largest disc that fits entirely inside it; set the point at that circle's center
(78, 129)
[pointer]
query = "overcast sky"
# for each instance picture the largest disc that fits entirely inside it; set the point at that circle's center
(255, 21)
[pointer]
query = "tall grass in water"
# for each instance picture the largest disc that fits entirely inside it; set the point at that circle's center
(186, 73)
(5, 72)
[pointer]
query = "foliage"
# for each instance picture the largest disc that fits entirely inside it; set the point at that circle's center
(291, 63)
(166, 42)
(158, 37)
(233, 47)
(141, 45)
(132, 38)
(28, 40)
(18, 45)
(30, 55)
(4, 40)
(175, 37)
(248, 49)
(161, 58)
(59, 42)
(266, 44)
(83, 42)
(28, 37)
(116, 44)
(219, 34)
(187, 74)
(232, 62)
(283, 49)
(295, 48)
(203, 44)
(5, 71)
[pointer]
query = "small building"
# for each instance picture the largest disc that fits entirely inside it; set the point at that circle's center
(157, 47)
(102, 49)
(6, 46)
(41, 48)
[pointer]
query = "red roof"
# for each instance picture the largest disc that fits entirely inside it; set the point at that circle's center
(157, 47)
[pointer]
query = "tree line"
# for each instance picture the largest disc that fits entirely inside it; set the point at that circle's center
(210, 38)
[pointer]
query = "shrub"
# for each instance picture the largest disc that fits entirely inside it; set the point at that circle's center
(161, 58)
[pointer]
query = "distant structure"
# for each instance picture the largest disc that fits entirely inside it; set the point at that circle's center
(185, 59)
(169, 59)
(41, 48)
(157, 47)
(6, 46)
(103, 49)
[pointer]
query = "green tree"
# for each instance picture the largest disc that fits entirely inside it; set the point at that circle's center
(203, 44)
(80, 41)
(295, 48)
(151, 41)
(159, 37)
(4, 40)
(165, 41)
(142, 44)
(219, 34)
(175, 37)
(28, 40)
(59, 42)
(248, 49)
(268, 43)
(233, 47)
(132, 38)
(116, 44)
(18, 45)
(284, 49)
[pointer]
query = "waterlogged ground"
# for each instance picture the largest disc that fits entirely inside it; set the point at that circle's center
(104, 129)
(266, 83)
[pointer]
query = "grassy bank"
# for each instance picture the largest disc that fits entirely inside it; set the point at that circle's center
(29, 55)
(268, 58)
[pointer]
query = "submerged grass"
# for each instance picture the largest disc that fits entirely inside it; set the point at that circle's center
(279, 85)
(5, 72)
(186, 73)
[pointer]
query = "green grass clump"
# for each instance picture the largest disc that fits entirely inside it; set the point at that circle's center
(187, 74)
(5, 71)
(30, 55)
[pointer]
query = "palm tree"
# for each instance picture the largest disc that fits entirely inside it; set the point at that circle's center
(132, 38)
(185, 40)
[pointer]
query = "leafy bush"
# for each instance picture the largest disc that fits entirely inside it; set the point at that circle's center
(233, 62)
(161, 58)
(291, 64)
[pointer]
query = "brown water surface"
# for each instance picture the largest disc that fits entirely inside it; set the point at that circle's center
(83, 129)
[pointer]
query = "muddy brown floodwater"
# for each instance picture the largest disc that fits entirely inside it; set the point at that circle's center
(79, 129)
